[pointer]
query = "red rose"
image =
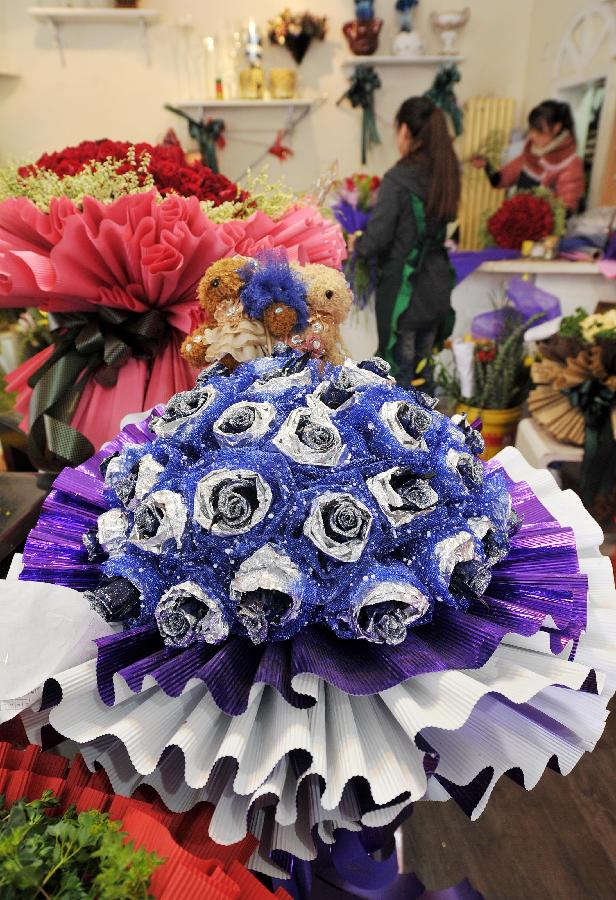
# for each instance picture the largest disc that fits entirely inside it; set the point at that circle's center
(523, 217)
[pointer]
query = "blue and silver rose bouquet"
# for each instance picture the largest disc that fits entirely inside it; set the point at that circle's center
(313, 605)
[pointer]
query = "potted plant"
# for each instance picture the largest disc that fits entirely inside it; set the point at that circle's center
(489, 379)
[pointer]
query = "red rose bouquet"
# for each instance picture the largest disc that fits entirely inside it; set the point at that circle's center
(166, 164)
(113, 246)
(527, 216)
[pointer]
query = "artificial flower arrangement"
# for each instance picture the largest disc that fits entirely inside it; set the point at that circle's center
(115, 249)
(574, 398)
(64, 833)
(526, 216)
(353, 202)
(296, 31)
(289, 571)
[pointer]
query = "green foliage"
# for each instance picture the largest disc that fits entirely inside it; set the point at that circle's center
(571, 326)
(504, 382)
(100, 180)
(72, 857)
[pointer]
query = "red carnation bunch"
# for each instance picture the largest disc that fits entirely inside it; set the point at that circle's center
(523, 217)
(167, 164)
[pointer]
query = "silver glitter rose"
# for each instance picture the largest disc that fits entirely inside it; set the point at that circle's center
(339, 525)
(231, 501)
(242, 423)
(160, 518)
(181, 408)
(407, 422)
(452, 550)
(495, 545)
(186, 615)
(309, 437)
(115, 600)
(402, 495)
(132, 486)
(267, 591)
(338, 394)
(111, 530)
(385, 612)
(277, 381)
(369, 372)
(468, 467)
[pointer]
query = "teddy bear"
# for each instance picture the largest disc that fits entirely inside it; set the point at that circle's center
(329, 299)
(228, 335)
(250, 305)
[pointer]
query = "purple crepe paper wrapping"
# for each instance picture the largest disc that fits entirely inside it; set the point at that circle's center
(527, 300)
(540, 577)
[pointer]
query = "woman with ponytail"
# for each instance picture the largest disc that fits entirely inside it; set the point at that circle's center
(549, 159)
(406, 234)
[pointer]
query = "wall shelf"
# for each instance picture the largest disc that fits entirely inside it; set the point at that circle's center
(424, 60)
(293, 103)
(55, 17)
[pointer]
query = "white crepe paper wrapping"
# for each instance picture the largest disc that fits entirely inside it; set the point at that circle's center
(44, 629)
(463, 354)
(243, 763)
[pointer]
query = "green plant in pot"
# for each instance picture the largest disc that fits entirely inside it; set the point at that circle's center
(489, 380)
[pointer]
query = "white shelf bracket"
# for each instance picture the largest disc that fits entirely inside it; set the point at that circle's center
(145, 41)
(56, 37)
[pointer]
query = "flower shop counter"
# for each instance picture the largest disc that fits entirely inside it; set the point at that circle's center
(574, 283)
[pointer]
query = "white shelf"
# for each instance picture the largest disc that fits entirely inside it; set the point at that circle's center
(55, 17)
(293, 103)
(93, 15)
(423, 60)
(539, 267)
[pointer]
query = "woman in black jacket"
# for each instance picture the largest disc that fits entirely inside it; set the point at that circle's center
(406, 234)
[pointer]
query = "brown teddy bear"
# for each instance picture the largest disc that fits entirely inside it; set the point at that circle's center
(228, 334)
(329, 301)
(250, 306)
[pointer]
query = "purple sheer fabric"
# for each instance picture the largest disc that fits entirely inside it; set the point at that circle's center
(465, 262)
(527, 300)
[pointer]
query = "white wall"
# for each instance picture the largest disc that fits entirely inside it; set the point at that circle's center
(106, 90)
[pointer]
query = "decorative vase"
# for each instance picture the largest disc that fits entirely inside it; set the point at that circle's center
(282, 84)
(447, 24)
(251, 83)
(126, 4)
(499, 426)
(363, 35)
(407, 43)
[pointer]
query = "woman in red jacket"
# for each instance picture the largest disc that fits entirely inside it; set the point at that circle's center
(549, 158)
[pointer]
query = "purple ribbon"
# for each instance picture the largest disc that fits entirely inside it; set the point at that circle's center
(465, 262)
(346, 870)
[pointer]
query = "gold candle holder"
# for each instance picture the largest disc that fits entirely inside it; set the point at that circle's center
(251, 83)
(282, 84)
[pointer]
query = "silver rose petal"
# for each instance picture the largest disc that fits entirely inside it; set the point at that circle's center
(159, 518)
(147, 475)
(467, 466)
(421, 495)
(390, 412)
(458, 548)
(367, 377)
(242, 423)
(278, 384)
(221, 505)
(385, 612)
(185, 614)
(267, 570)
(339, 525)
(181, 408)
(309, 437)
(112, 528)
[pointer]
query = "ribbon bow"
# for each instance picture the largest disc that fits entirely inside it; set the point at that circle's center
(87, 345)
(596, 401)
(442, 95)
(363, 83)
